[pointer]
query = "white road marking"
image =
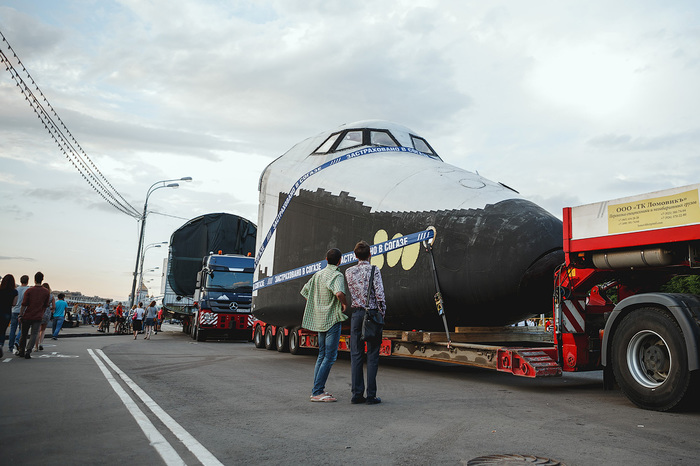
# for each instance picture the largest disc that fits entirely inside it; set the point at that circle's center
(164, 449)
(54, 354)
(197, 449)
(7, 360)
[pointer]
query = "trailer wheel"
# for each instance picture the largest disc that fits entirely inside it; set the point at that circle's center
(650, 361)
(193, 327)
(281, 340)
(294, 341)
(258, 339)
(269, 338)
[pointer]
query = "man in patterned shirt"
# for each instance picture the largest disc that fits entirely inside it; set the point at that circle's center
(358, 281)
(324, 313)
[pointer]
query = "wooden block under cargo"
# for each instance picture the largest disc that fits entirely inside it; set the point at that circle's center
(490, 335)
(509, 329)
(412, 336)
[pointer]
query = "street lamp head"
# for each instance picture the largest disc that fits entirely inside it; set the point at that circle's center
(186, 178)
(172, 185)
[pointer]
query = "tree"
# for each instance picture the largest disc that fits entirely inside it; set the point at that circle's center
(683, 284)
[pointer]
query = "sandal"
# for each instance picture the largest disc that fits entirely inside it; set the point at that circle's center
(323, 397)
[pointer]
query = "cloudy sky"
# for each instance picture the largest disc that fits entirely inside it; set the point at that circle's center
(567, 102)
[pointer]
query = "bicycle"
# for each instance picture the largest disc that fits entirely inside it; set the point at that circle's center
(104, 324)
(124, 326)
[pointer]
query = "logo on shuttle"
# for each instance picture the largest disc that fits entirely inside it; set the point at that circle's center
(396, 251)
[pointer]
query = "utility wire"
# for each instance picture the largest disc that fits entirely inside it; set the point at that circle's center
(166, 215)
(68, 145)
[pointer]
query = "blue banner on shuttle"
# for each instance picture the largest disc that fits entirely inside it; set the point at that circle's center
(342, 158)
(347, 258)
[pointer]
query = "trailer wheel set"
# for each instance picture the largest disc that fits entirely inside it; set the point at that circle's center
(650, 361)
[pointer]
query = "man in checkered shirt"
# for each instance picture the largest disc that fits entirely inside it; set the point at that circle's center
(324, 313)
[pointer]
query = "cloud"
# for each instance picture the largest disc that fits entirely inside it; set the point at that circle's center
(625, 142)
(11, 258)
(14, 211)
(10, 178)
(35, 36)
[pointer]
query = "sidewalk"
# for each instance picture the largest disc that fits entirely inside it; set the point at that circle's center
(91, 331)
(82, 331)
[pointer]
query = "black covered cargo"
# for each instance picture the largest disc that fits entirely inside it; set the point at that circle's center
(201, 236)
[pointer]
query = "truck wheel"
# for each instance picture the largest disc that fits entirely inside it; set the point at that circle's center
(269, 338)
(281, 340)
(650, 361)
(294, 341)
(201, 335)
(258, 339)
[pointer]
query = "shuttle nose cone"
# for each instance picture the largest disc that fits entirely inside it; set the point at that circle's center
(499, 268)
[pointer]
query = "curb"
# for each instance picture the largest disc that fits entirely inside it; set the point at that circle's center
(72, 335)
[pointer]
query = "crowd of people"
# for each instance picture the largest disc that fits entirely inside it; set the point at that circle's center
(137, 319)
(28, 310)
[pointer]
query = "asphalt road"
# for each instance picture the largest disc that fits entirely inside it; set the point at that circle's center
(237, 404)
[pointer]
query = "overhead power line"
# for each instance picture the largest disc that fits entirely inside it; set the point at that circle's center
(63, 137)
(167, 215)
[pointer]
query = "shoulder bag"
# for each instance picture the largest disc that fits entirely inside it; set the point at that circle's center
(373, 322)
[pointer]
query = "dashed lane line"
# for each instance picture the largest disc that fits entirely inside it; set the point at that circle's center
(192, 444)
(164, 449)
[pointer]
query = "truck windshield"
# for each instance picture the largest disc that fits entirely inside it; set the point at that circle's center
(240, 282)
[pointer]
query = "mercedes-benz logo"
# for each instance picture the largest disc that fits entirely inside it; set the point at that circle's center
(233, 306)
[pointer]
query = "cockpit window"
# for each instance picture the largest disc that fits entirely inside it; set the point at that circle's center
(422, 145)
(327, 145)
(382, 138)
(351, 139)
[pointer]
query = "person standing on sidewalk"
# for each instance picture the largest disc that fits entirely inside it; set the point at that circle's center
(358, 283)
(324, 313)
(59, 315)
(8, 298)
(139, 312)
(151, 314)
(48, 315)
(14, 322)
(36, 300)
(159, 320)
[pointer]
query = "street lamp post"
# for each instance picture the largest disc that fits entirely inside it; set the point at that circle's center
(139, 252)
(143, 256)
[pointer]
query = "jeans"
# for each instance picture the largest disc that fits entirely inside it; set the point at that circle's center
(357, 353)
(327, 354)
(57, 324)
(14, 334)
(4, 322)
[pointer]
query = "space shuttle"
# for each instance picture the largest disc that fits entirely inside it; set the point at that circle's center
(494, 251)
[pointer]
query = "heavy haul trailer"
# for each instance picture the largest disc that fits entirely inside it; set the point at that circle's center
(608, 310)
